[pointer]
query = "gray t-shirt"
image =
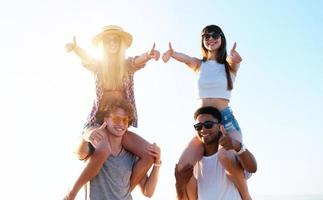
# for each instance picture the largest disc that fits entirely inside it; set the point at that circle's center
(113, 180)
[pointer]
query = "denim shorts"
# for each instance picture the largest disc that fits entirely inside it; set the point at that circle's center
(230, 123)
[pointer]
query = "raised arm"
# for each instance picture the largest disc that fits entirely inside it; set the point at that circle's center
(140, 61)
(234, 59)
(87, 60)
(148, 183)
(191, 62)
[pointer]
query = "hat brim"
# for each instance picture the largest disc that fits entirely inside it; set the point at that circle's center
(126, 37)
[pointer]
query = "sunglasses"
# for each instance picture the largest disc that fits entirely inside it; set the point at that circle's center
(118, 120)
(108, 39)
(214, 35)
(207, 125)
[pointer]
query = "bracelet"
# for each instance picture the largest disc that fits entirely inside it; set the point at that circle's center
(158, 164)
(242, 149)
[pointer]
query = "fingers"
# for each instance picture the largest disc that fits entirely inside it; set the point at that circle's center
(154, 150)
(74, 39)
(166, 57)
(103, 126)
(234, 47)
(170, 46)
(156, 55)
(153, 48)
(223, 131)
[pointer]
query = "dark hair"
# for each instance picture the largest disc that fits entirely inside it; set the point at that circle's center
(221, 56)
(210, 111)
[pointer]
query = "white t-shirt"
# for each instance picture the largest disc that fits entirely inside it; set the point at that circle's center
(212, 181)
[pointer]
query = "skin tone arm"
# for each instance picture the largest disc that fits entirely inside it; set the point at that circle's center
(186, 187)
(131, 141)
(234, 59)
(191, 62)
(86, 59)
(94, 162)
(145, 57)
(148, 183)
(246, 159)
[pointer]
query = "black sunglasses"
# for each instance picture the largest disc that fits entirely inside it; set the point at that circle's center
(207, 125)
(214, 35)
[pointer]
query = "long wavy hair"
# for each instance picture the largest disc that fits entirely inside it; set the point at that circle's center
(114, 70)
(221, 53)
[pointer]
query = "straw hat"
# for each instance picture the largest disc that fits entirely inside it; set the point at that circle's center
(112, 29)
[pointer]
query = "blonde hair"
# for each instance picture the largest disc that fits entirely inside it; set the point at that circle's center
(114, 71)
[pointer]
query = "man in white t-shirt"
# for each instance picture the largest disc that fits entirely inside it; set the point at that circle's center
(207, 180)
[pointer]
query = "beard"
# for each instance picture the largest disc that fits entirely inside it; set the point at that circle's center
(212, 140)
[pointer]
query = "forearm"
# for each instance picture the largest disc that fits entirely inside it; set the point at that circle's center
(189, 61)
(83, 55)
(151, 182)
(248, 161)
(140, 61)
(234, 67)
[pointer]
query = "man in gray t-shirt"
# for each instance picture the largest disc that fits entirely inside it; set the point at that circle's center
(112, 181)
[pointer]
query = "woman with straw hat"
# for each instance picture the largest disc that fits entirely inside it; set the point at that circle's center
(113, 79)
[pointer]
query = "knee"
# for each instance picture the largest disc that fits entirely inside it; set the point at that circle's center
(102, 151)
(226, 158)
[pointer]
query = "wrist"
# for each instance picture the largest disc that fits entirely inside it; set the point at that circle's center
(157, 163)
(242, 149)
(147, 57)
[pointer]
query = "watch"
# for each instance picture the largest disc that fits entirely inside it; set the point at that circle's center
(242, 149)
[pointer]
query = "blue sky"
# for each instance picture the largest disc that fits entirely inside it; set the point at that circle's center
(46, 94)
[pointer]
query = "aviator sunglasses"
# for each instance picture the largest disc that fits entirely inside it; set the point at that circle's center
(207, 125)
(118, 120)
(214, 35)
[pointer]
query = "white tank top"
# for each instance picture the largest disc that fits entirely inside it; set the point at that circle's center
(212, 181)
(212, 80)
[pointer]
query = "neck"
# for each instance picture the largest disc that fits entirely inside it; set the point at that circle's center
(115, 144)
(210, 149)
(211, 55)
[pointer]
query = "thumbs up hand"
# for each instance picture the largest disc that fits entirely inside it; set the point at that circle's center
(234, 55)
(95, 135)
(153, 53)
(71, 46)
(227, 142)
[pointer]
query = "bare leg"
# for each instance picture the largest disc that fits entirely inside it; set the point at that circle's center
(92, 168)
(191, 154)
(137, 145)
(234, 171)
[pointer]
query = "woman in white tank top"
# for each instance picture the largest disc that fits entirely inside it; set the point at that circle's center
(216, 72)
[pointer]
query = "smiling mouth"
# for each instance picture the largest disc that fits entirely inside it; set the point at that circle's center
(204, 134)
(119, 129)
